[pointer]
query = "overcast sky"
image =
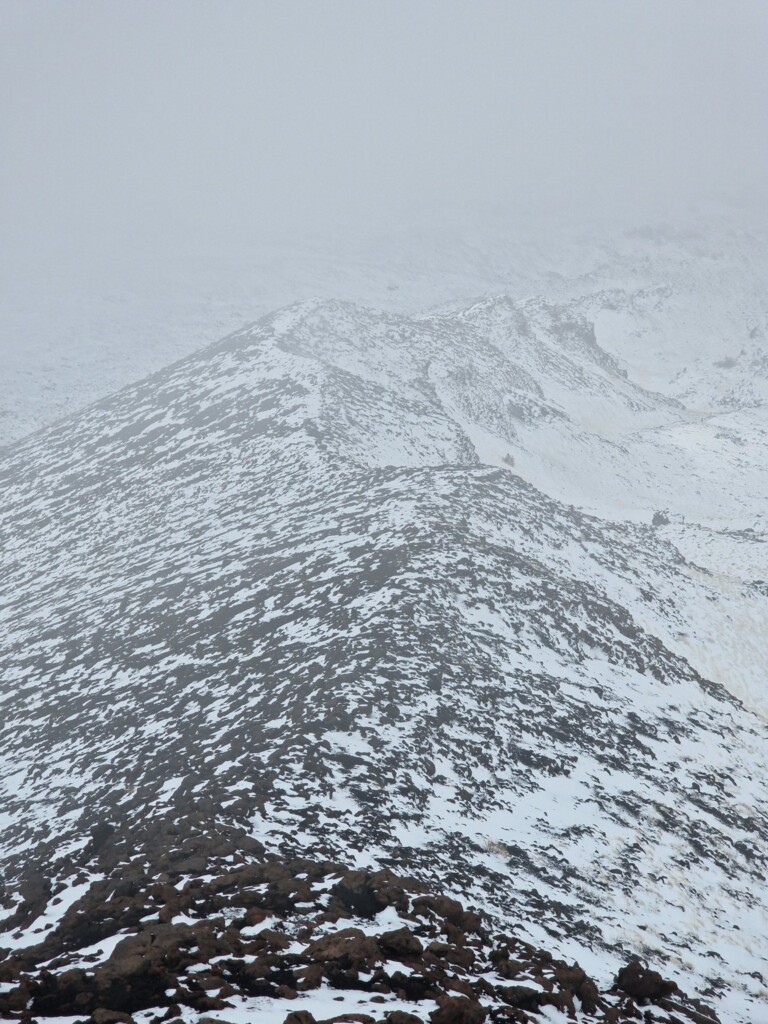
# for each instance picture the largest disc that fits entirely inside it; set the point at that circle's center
(132, 124)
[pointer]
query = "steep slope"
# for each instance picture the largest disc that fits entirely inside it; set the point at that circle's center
(275, 586)
(531, 388)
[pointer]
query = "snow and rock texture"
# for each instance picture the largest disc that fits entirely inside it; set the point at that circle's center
(296, 942)
(684, 308)
(295, 585)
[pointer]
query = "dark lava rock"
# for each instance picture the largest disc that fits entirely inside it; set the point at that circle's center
(449, 961)
(459, 1010)
(367, 893)
(400, 943)
(300, 1017)
(521, 996)
(103, 1016)
(350, 947)
(642, 984)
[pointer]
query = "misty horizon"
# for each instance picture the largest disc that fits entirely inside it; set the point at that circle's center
(137, 131)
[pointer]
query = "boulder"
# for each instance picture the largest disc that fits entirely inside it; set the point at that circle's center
(349, 947)
(299, 1017)
(104, 1016)
(366, 893)
(131, 982)
(458, 1010)
(309, 977)
(643, 984)
(400, 943)
(462, 956)
(521, 996)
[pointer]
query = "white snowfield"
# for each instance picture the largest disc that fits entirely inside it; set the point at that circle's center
(478, 593)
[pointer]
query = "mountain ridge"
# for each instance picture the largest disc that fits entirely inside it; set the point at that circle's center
(278, 581)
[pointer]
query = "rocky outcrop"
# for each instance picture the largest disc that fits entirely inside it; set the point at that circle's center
(300, 932)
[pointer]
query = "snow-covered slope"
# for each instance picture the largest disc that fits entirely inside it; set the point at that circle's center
(309, 581)
(675, 305)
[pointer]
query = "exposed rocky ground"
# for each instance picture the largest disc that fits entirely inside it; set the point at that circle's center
(205, 928)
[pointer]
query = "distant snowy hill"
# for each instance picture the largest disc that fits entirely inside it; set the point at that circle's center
(665, 301)
(460, 593)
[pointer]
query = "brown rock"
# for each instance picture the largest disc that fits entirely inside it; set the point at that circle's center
(509, 969)
(460, 985)
(349, 1018)
(462, 956)
(299, 1017)
(285, 992)
(458, 1010)
(413, 986)
(255, 915)
(103, 1016)
(400, 943)
(272, 939)
(589, 995)
(308, 978)
(521, 996)
(563, 1000)
(350, 947)
(366, 893)
(640, 983)
(454, 934)
(130, 983)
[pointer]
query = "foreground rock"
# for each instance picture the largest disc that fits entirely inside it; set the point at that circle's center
(301, 942)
